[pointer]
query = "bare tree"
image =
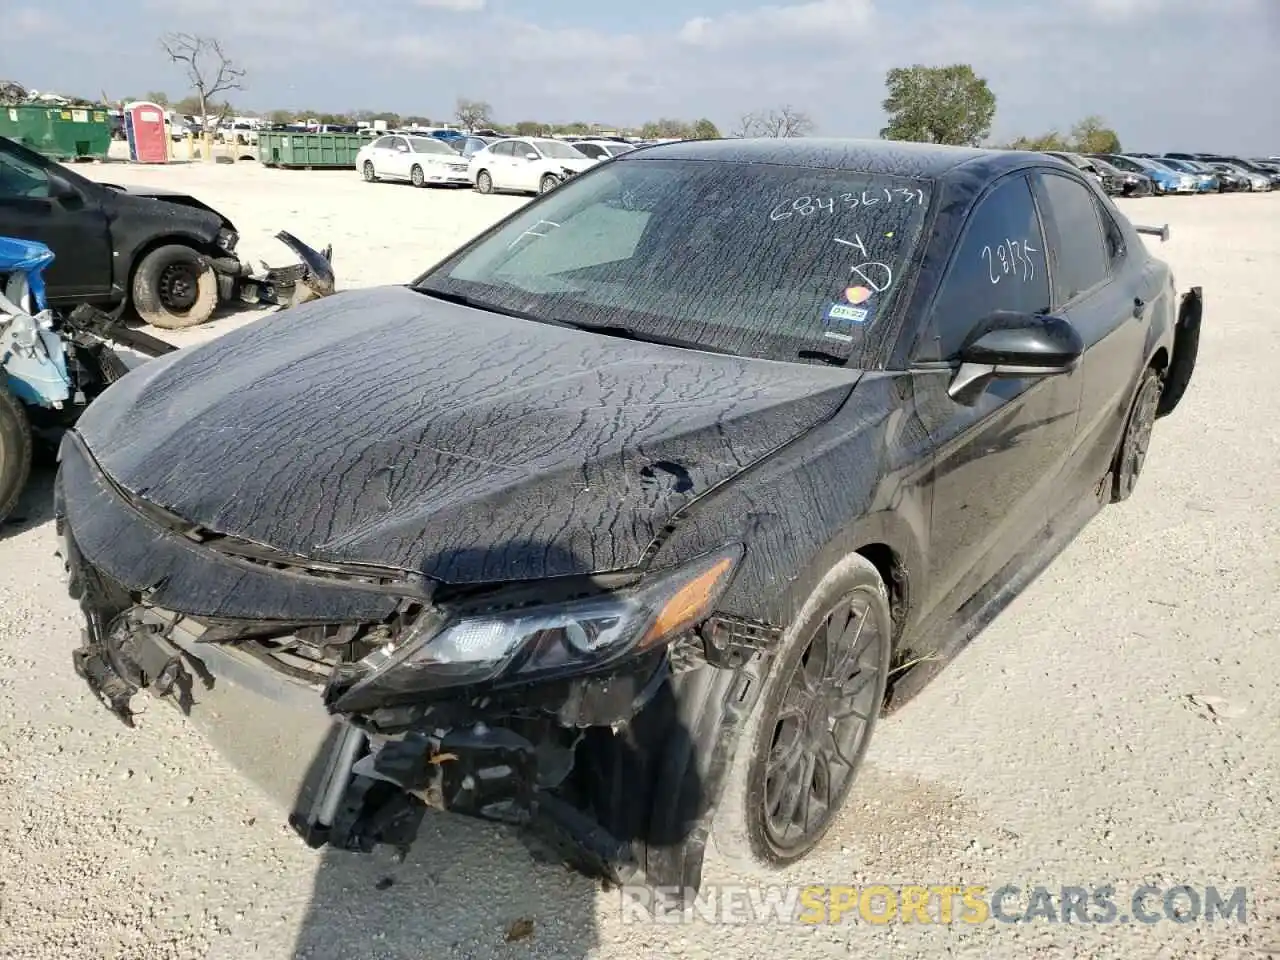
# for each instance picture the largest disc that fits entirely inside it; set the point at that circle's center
(210, 72)
(784, 121)
(472, 114)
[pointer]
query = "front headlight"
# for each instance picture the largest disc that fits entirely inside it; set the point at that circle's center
(547, 641)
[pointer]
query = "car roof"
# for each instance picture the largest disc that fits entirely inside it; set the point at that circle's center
(894, 157)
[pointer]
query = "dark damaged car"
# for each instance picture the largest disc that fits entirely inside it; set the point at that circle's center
(168, 255)
(617, 523)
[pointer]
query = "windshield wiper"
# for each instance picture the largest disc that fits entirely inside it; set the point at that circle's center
(834, 359)
(463, 300)
(628, 333)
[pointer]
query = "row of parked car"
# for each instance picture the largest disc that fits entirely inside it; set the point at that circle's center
(1147, 174)
(485, 160)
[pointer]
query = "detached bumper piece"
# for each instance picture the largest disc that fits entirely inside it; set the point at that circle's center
(289, 286)
(130, 657)
(1186, 348)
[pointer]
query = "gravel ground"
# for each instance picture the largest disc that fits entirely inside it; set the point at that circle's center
(1117, 724)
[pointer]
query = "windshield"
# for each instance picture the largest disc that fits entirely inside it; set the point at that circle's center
(557, 150)
(1155, 164)
(617, 148)
(430, 145)
(750, 259)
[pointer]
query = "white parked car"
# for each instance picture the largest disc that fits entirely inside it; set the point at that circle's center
(420, 160)
(525, 165)
(601, 149)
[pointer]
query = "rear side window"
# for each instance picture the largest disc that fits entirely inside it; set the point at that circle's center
(1079, 250)
(999, 265)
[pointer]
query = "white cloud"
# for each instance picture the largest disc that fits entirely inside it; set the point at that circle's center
(835, 19)
(455, 6)
(28, 22)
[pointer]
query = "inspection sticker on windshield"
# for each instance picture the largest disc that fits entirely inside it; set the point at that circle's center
(842, 311)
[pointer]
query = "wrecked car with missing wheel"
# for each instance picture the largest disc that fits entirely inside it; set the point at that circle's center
(53, 363)
(165, 254)
(680, 475)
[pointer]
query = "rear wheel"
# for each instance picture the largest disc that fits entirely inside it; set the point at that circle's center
(1137, 435)
(173, 288)
(484, 182)
(417, 177)
(800, 749)
(15, 451)
(370, 175)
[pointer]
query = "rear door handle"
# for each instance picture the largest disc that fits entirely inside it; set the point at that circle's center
(1139, 305)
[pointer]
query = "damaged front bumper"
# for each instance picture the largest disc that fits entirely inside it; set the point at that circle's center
(615, 772)
(309, 279)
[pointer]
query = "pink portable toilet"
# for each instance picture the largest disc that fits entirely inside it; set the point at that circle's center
(145, 130)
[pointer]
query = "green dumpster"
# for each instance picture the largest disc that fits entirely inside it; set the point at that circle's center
(58, 132)
(309, 151)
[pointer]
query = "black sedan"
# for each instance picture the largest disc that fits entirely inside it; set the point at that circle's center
(625, 521)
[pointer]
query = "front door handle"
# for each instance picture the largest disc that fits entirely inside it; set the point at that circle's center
(1139, 305)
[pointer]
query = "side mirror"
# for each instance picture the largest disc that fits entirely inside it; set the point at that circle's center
(61, 189)
(1014, 346)
(532, 156)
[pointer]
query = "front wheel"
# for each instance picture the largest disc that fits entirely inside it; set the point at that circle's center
(484, 182)
(801, 747)
(417, 177)
(15, 451)
(174, 289)
(370, 176)
(548, 183)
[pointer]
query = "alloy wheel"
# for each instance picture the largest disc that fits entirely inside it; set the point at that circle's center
(822, 725)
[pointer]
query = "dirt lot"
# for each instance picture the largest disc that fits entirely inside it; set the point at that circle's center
(1076, 743)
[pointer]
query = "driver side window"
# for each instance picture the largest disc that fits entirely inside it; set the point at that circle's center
(21, 180)
(999, 264)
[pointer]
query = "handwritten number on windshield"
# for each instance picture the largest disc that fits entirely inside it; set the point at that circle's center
(1010, 259)
(807, 206)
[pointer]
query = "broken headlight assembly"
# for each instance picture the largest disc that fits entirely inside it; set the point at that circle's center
(535, 643)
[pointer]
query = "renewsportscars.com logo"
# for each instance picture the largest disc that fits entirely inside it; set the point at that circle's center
(938, 904)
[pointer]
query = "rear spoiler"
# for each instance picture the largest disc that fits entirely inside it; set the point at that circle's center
(1161, 232)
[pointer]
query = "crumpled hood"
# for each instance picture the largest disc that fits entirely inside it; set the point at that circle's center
(386, 427)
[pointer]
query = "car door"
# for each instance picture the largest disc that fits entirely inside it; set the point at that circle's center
(74, 227)
(381, 154)
(994, 460)
(399, 158)
(500, 165)
(525, 173)
(1110, 305)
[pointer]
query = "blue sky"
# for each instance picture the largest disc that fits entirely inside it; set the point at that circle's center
(1168, 74)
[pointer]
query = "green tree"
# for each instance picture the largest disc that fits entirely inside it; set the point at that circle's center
(1045, 141)
(667, 128)
(950, 104)
(158, 96)
(189, 106)
(282, 116)
(1092, 135)
(704, 129)
(530, 128)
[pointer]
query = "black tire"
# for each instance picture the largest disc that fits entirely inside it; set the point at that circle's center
(173, 289)
(368, 172)
(484, 182)
(742, 833)
(1137, 435)
(548, 183)
(15, 451)
(416, 176)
